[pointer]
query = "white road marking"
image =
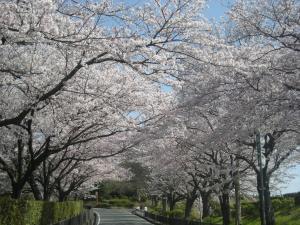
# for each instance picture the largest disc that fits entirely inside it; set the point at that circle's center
(98, 216)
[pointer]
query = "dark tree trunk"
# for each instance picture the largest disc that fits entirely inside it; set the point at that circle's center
(172, 205)
(205, 204)
(262, 220)
(34, 188)
(62, 196)
(155, 201)
(16, 179)
(268, 208)
(225, 208)
(47, 189)
(270, 218)
(171, 201)
(46, 180)
(237, 194)
(47, 195)
(16, 191)
(164, 204)
(270, 141)
(188, 206)
(21, 176)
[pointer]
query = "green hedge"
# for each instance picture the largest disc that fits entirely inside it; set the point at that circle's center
(29, 212)
(103, 205)
(116, 202)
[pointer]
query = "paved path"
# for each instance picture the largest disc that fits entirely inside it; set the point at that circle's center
(119, 217)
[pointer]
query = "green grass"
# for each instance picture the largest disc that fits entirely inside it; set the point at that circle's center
(213, 219)
(178, 212)
(282, 217)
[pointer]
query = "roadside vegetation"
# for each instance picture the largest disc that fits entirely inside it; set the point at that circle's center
(287, 212)
(31, 212)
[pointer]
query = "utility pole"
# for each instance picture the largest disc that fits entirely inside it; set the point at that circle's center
(261, 177)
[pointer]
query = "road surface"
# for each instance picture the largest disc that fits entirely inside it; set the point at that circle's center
(119, 217)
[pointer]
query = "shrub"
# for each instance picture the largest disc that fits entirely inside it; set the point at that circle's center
(250, 209)
(103, 205)
(156, 209)
(177, 213)
(66, 209)
(29, 212)
(297, 200)
(116, 202)
(194, 215)
(216, 209)
(283, 203)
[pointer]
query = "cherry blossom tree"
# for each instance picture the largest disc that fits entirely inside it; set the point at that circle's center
(57, 62)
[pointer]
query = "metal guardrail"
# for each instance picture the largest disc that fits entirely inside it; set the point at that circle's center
(174, 221)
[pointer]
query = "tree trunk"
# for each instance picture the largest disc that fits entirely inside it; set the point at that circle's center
(262, 218)
(205, 204)
(61, 196)
(47, 195)
(172, 205)
(164, 204)
(155, 201)
(237, 191)
(35, 189)
(17, 187)
(171, 201)
(225, 208)
(268, 209)
(188, 206)
(269, 212)
(47, 189)
(16, 191)
(17, 181)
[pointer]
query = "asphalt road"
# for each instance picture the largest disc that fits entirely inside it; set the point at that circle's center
(119, 217)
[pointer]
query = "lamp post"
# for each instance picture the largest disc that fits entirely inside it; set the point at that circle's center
(261, 176)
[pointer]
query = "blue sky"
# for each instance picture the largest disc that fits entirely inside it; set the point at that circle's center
(292, 185)
(214, 11)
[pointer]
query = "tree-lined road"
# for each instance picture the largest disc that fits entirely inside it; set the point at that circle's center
(119, 217)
